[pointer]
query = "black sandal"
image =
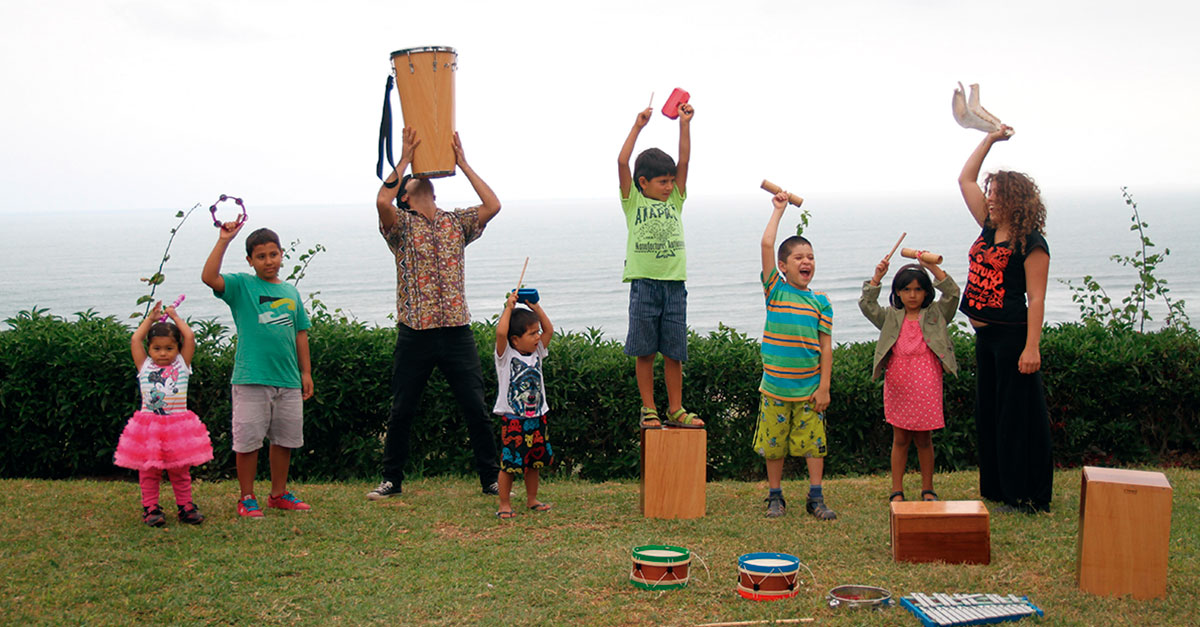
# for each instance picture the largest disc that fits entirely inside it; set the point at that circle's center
(893, 495)
(925, 493)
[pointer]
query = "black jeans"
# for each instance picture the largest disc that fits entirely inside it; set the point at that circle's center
(452, 350)
(1016, 464)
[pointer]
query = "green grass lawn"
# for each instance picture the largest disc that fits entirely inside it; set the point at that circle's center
(75, 552)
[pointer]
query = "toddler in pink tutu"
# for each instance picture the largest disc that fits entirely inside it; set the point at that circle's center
(914, 348)
(163, 434)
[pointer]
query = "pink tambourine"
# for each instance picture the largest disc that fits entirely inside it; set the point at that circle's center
(671, 106)
(179, 300)
(213, 210)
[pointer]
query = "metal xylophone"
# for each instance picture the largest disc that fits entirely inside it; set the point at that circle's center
(968, 609)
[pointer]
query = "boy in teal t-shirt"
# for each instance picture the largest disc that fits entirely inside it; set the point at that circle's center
(272, 373)
(656, 267)
(797, 356)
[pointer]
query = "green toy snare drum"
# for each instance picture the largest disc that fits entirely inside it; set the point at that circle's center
(660, 567)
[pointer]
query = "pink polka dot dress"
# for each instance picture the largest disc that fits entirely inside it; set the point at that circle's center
(912, 387)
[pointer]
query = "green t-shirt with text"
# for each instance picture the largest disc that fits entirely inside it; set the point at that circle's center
(268, 316)
(655, 247)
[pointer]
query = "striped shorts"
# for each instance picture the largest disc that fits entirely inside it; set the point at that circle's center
(657, 319)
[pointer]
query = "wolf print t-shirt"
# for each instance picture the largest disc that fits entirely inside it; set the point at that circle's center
(522, 388)
(655, 247)
(268, 316)
(995, 291)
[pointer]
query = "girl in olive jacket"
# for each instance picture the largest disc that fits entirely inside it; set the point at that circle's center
(914, 349)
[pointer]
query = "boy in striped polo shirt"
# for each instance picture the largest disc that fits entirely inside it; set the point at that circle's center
(797, 356)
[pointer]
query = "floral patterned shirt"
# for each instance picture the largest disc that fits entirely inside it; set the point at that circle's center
(429, 266)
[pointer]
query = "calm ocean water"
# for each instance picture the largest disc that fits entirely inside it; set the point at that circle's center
(70, 262)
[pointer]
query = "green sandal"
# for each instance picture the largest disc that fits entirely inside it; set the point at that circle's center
(683, 419)
(650, 418)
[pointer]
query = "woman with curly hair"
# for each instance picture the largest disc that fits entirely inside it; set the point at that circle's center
(1005, 300)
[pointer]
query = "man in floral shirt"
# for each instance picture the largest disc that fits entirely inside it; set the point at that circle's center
(433, 323)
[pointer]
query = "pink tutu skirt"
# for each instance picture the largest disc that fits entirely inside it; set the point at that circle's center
(153, 441)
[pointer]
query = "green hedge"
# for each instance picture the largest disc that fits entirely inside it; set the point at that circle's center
(67, 386)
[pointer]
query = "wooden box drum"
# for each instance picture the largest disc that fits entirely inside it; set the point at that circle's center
(425, 85)
(768, 576)
(660, 567)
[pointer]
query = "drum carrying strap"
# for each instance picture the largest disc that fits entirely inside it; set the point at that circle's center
(385, 133)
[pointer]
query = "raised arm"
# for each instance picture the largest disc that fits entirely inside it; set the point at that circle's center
(948, 302)
(211, 274)
(623, 173)
(502, 323)
(185, 333)
(489, 203)
(868, 301)
(778, 204)
(544, 320)
(686, 111)
(968, 179)
(137, 343)
(385, 201)
(1037, 270)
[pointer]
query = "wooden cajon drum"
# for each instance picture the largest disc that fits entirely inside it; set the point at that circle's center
(957, 532)
(1124, 531)
(673, 472)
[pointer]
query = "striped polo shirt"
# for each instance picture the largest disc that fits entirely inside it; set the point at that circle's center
(791, 347)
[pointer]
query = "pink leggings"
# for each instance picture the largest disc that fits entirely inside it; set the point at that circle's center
(181, 483)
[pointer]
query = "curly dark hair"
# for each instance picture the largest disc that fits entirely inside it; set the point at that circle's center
(1019, 198)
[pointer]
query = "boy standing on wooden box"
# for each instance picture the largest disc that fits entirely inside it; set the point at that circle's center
(652, 197)
(797, 355)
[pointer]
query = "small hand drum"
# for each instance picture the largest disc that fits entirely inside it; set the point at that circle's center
(527, 295)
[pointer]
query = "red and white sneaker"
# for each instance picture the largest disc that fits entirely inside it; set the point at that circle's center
(287, 500)
(248, 507)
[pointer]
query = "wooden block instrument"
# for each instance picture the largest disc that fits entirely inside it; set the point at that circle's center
(775, 189)
(926, 256)
(940, 610)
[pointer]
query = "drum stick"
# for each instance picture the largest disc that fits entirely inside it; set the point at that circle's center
(893, 250)
(926, 256)
(775, 189)
(651, 105)
(739, 623)
(522, 279)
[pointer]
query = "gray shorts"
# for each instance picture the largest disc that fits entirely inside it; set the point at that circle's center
(266, 411)
(657, 319)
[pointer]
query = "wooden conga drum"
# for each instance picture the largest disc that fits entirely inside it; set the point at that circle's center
(425, 85)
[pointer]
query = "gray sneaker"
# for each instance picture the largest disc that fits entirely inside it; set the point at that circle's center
(776, 506)
(384, 490)
(819, 509)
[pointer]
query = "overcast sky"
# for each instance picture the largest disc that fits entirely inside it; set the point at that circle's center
(145, 104)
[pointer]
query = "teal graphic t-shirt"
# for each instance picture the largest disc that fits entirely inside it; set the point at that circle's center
(267, 316)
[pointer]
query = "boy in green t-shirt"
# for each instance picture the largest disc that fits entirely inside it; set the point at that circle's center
(272, 374)
(656, 267)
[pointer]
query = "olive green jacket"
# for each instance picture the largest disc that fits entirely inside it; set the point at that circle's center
(934, 320)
